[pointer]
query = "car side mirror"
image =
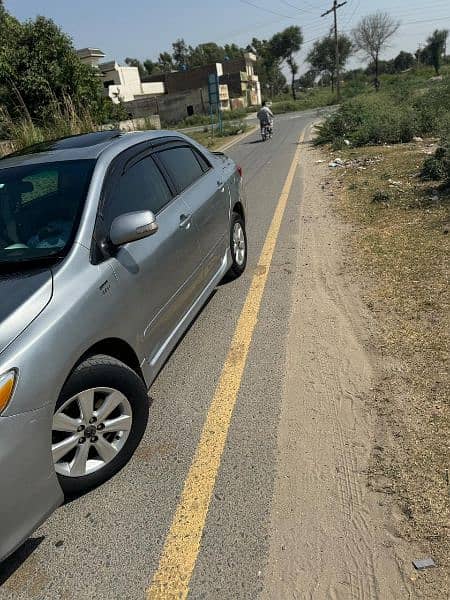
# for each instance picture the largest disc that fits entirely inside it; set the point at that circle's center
(132, 226)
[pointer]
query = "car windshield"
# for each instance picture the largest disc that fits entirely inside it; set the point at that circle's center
(40, 208)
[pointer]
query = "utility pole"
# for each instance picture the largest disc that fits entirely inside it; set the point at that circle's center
(333, 9)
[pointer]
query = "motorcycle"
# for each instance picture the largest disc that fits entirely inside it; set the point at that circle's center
(267, 131)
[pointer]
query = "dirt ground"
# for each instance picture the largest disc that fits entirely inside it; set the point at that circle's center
(337, 529)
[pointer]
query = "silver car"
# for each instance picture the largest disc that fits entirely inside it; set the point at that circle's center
(110, 244)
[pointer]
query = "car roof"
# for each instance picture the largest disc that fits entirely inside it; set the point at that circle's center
(81, 147)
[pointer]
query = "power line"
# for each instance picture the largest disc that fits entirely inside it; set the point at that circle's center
(297, 7)
(268, 10)
(355, 10)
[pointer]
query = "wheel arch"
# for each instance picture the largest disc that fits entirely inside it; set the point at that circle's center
(118, 349)
(238, 208)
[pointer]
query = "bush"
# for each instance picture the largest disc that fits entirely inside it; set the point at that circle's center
(433, 109)
(437, 167)
(371, 119)
(406, 106)
(381, 197)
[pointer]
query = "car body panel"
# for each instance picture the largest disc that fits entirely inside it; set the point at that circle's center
(23, 297)
(78, 304)
(30, 489)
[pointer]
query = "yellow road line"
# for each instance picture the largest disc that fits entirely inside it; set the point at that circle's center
(182, 544)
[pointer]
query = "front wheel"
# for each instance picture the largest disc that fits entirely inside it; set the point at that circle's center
(238, 246)
(99, 420)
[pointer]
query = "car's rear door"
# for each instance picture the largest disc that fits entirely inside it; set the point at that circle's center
(159, 276)
(205, 190)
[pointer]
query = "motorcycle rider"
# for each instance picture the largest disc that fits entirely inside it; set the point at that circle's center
(265, 116)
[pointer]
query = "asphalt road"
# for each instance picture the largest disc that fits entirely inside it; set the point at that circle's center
(107, 544)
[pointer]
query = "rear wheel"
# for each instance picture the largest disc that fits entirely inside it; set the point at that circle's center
(238, 246)
(99, 420)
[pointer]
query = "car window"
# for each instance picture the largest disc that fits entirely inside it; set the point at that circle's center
(40, 208)
(202, 160)
(42, 183)
(141, 187)
(182, 166)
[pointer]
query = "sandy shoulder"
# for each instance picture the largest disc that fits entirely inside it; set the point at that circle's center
(328, 537)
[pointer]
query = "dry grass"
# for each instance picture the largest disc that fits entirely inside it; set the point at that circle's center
(400, 254)
(214, 142)
(66, 120)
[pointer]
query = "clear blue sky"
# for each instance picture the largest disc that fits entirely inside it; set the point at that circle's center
(143, 28)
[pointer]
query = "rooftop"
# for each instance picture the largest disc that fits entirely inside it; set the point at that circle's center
(90, 52)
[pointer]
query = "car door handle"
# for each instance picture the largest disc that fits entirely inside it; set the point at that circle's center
(185, 221)
(219, 183)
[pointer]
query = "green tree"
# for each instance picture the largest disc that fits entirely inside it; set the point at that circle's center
(165, 62)
(39, 67)
(372, 35)
(151, 67)
(322, 59)
(308, 79)
(232, 51)
(284, 46)
(403, 61)
(205, 54)
(180, 54)
(268, 67)
(435, 48)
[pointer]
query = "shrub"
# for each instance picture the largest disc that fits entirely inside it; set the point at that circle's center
(381, 197)
(396, 114)
(437, 167)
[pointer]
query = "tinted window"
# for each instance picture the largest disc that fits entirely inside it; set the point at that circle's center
(182, 165)
(40, 206)
(141, 187)
(202, 160)
(42, 183)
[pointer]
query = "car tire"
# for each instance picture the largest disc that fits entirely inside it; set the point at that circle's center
(238, 246)
(117, 433)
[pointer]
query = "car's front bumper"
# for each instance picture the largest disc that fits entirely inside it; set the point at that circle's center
(29, 489)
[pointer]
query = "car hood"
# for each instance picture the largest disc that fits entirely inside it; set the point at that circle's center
(22, 297)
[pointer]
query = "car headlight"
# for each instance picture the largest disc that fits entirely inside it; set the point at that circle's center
(7, 382)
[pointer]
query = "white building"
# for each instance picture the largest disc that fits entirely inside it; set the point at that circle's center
(121, 84)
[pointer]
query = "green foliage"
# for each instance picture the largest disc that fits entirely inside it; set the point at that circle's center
(436, 47)
(185, 57)
(283, 46)
(394, 115)
(403, 61)
(314, 98)
(437, 167)
(165, 62)
(307, 79)
(195, 120)
(268, 67)
(39, 70)
(180, 53)
(321, 57)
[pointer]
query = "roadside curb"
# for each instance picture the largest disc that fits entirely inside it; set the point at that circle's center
(238, 139)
